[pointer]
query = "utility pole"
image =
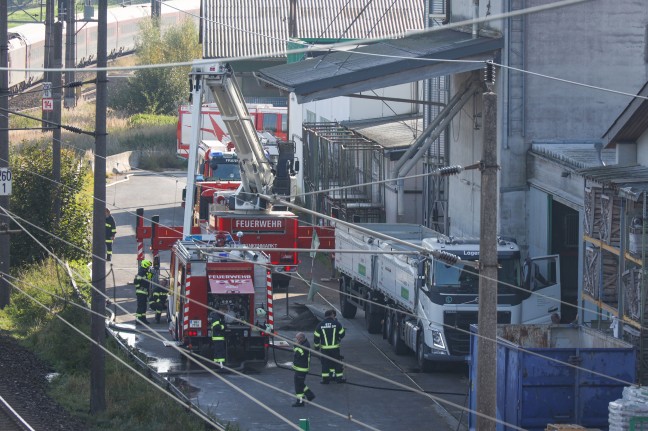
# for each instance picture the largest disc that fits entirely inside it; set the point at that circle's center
(97, 325)
(70, 51)
(57, 80)
(487, 320)
(156, 8)
(48, 60)
(4, 151)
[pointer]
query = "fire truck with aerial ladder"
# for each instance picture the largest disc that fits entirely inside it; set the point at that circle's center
(266, 164)
(214, 270)
(218, 163)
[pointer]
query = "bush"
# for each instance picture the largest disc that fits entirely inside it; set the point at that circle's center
(66, 234)
(161, 90)
(20, 122)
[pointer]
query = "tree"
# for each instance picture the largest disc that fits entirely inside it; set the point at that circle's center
(161, 90)
(68, 236)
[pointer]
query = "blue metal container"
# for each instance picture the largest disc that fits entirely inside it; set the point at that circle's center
(538, 382)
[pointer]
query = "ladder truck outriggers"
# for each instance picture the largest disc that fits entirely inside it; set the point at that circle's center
(421, 288)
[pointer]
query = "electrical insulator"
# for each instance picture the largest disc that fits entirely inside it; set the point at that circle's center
(449, 258)
(489, 73)
(450, 170)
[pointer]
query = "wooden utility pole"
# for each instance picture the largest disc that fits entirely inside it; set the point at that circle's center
(97, 324)
(487, 320)
(4, 151)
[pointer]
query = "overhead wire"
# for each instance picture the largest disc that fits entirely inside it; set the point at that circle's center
(163, 339)
(418, 175)
(440, 323)
(580, 308)
(118, 359)
(288, 341)
(444, 400)
(461, 330)
(620, 93)
(286, 420)
(525, 11)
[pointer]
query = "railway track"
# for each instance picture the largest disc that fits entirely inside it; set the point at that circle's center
(10, 420)
(23, 389)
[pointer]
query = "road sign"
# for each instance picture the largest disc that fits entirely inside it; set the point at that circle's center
(47, 90)
(5, 182)
(48, 104)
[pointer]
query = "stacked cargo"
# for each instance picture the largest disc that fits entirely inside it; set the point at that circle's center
(625, 412)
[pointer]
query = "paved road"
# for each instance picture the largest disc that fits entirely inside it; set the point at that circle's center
(365, 402)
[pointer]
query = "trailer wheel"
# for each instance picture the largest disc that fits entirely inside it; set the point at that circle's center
(387, 326)
(373, 318)
(397, 343)
(346, 307)
(424, 365)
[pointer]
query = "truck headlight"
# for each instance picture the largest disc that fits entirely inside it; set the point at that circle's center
(437, 339)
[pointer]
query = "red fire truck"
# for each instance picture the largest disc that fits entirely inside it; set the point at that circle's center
(267, 231)
(205, 280)
(265, 117)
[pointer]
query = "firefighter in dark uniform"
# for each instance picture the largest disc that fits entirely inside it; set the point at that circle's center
(142, 288)
(111, 231)
(327, 337)
(301, 365)
(158, 301)
(218, 337)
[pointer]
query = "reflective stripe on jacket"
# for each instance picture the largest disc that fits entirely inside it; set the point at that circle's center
(217, 331)
(301, 361)
(328, 334)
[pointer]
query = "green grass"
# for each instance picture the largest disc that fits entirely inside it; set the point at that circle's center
(132, 402)
(154, 135)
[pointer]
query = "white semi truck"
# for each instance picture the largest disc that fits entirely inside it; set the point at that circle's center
(411, 288)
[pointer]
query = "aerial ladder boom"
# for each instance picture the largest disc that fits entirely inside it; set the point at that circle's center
(256, 172)
(258, 175)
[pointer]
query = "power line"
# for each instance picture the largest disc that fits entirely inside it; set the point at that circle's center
(580, 308)
(340, 45)
(331, 251)
(227, 382)
(118, 359)
(436, 398)
(412, 315)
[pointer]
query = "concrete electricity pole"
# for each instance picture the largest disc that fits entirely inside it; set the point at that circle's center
(4, 152)
(156, 8)
(487, 320)
(97, 327)
(57, 80)
(70, 51)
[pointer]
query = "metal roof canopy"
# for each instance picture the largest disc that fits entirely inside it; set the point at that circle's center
(629, 181)
(383, 64)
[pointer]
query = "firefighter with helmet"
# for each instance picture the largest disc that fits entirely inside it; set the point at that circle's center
(142, 288)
